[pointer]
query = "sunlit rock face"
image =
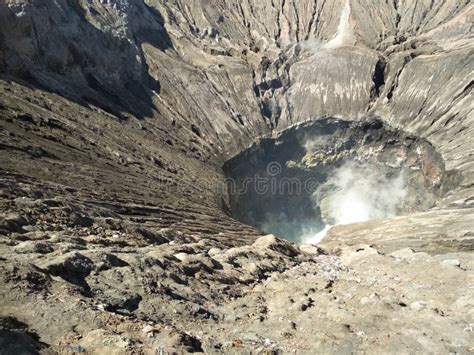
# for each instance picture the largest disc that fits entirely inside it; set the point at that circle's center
(117, 118)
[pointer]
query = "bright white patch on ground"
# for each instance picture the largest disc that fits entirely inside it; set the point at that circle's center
(345, 33)
(316, 238)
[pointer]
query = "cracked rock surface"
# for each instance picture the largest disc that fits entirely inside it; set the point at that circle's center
(115, 120)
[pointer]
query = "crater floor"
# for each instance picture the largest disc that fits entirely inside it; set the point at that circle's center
(331, 172)
(121, 122)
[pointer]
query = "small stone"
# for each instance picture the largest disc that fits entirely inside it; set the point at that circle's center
(214, 251)
(270, 242)
(75, 348)
(309, 249)
(148, 329)
(452, 262)
(101, 307)
(70, 266)
(418, 305)
(34, 247)
(80, 220)
(403, 253)
(181, 256)
(268, 342)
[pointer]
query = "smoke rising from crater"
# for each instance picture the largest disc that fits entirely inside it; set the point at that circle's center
(355, 192)
(337, 173)
(358, 192)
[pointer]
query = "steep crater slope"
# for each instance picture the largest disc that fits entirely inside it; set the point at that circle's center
(117, 117)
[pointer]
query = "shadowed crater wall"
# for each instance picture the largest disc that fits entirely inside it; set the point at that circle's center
(88, 55)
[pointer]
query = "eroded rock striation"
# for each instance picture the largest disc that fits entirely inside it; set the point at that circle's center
(117, 233)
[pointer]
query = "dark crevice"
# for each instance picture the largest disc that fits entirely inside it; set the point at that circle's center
(378, 79)
(394, 85)
(312, 21)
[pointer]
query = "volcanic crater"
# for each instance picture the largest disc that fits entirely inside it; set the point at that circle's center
(222, 176)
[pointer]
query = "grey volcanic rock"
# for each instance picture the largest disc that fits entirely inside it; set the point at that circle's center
(116, 232)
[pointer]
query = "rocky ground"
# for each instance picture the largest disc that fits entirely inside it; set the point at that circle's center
(115, 120)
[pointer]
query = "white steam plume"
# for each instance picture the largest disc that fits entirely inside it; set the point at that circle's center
(358, 192)
(362, 192)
